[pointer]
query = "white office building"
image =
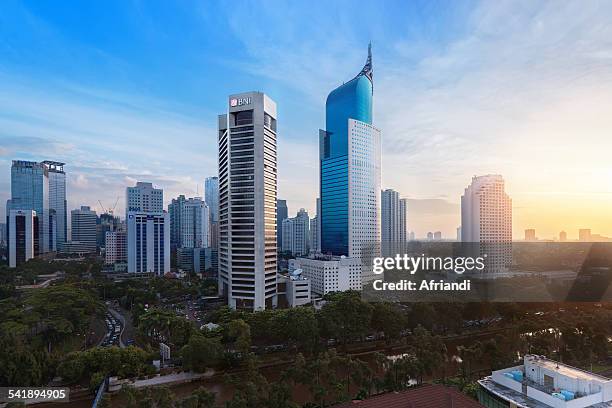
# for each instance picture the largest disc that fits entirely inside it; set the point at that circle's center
(543, 383)
(148, 242)
(295, 287)
(22, 236)
(247, 202)
(486, 221)
(144, 198)
(328, 273)
(83, 228)
(296, 234)
(116, 247)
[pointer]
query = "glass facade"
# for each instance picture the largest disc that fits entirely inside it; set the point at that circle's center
(352, 100)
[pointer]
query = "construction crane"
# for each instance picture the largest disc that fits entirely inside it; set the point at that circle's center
(109, 210)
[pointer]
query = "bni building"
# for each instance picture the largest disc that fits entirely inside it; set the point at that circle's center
(350, 170)
(247, 201)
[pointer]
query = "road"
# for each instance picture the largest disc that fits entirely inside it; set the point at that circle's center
(114, 327)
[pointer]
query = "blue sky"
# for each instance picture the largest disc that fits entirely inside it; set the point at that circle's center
(129, 90)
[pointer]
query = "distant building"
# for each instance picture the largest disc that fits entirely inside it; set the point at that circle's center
(437, 236)
(104, 223)
(198, 260)
(540, 382)
(282, 213)
(144, 198)
(430, 236)
(189, 223)
(57, 203)
(296, 234)
(148, 242)
(563, 236)
(584, 235)
(393, 222)
(116, 247)
(23, 236)
(83, 227)
(30, 191)
(459, 234)
(211, 197)
(328, 273)
(530, 235)
(412, 236)
(486, 221)
(315, 245)
(3, 234)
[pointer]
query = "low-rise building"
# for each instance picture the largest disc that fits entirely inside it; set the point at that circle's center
(543, 383)
(295, 287)
(329, 273)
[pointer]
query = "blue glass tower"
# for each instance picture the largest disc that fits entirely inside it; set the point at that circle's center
(352, 100)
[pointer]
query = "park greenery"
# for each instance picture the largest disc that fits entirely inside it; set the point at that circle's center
(336, 351)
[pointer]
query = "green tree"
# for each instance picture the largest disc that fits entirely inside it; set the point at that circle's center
(201, 352)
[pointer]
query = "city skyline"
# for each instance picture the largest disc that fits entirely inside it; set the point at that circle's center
(485, 95)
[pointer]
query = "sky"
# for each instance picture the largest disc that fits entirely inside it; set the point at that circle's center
(129, 90)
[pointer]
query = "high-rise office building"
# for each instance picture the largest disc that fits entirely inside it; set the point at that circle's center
(189, 223)
(315, 246)
(486, 220)
(437, 236)
(403, 220)
(30, 191)
(563, 236)
(393, 222)
(430, 236)
(143, 197)
(584, 235)
(247, 202)
(116, 247)
(83, 228)
(23, 239)
(350, 170)
(530, 234)
(57, 203)
(211, 196)
(106, 222)
(282, 213)
(3, 237)
(148, 242)
(296, 234)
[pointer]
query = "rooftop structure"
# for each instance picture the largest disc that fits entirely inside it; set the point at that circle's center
(544, 383)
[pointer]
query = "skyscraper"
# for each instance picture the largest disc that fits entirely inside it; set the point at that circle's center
(116, 247)
(57, 202)
(247, 202)
(486, 218)
(148, 242)
(563, 236)
(83, 228)
(584, 235)
(530, 234)
(282, 213)
(315, 247)
(23, 233)
(393, 222)
(30, 191)
(189, 223)
(296, 234)
(211, 196)
(144, 198)
(349, 150)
